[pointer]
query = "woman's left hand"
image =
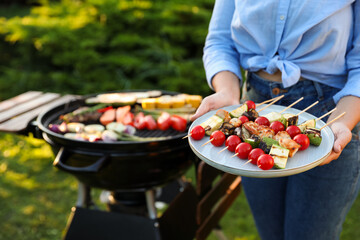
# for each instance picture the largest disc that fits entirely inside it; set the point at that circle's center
(342, 137)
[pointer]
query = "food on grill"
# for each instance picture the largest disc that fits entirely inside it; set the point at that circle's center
(84, 114)
(108, 116)
(74, 127)
(164, 121)
(314, 135)
(148, 103)
(94, 128)
(193, 100)
(150, 122)
(109, 136)
(280, 155)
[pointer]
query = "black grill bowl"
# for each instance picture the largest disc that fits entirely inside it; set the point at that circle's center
(120, 165)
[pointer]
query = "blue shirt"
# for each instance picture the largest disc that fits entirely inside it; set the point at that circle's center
(316, 39)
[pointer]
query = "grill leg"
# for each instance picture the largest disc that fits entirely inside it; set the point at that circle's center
(150, 203)
(84, 196)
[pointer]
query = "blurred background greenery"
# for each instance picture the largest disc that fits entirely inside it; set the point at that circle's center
(85, 47)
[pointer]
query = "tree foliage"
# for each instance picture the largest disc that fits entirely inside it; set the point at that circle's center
(88, 46)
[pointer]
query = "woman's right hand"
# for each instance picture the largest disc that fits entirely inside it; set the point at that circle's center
(214, 101)
(227, 87)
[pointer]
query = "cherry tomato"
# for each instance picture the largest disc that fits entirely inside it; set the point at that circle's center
(164, 121)
(265, 162)
(178, 123)
(243, 150)
(243, 119)
(250, 104)
(293, 130)
(277, 126)
(262, 121)
(255, 154)
(303, 140)
(150, 122)
(218, 138)
(198, 132)
(231, 142)
(139, 121)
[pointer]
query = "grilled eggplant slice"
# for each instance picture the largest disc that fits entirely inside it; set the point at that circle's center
(227, 129)
(251, 114)
(266, 144)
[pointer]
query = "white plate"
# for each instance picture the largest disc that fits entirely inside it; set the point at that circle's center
(302, 161)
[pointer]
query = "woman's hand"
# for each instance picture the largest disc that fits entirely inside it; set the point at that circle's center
(342, 138)
(227, 92)
(214, 101)
(343, 126)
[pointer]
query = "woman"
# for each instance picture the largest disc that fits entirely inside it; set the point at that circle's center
(294, 48)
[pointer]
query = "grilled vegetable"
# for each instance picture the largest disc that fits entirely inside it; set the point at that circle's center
(266, 144)
(290, 119)
(314, 135)
(307, 124)
(227, 129)
(244, 133)
(280, 156)
(236, 113)
(254, 141)
(252, 114)
(214, 122)
(275, 116)
(74, 127)
(94, 128)
(237, 132)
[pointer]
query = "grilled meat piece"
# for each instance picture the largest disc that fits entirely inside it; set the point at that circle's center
(281, 134)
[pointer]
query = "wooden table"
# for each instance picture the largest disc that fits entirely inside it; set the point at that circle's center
(18, 113)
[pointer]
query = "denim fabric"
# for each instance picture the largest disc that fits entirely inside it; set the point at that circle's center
(309, 205)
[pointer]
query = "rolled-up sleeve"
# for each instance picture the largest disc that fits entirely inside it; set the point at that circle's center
(219, 52)
(352, 86)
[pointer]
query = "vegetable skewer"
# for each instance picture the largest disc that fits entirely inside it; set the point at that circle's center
(333, 120)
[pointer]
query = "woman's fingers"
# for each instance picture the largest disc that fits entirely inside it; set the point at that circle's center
(342, 137)
(212, 102)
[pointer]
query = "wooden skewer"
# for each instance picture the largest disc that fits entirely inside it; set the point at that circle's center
(333, 120)
(223, 149)
(247, 162)
(207, 142)
(187, 136)
(269, 100)
(291, 105)
(307, 108)
(325, 115)
(234, 155)
(271, 103)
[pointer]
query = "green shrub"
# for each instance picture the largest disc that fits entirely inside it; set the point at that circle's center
(89, 46)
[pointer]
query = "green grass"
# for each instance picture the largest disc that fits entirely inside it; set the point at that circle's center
(36, 198)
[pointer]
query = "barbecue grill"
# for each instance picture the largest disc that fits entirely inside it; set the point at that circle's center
(133, 176)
